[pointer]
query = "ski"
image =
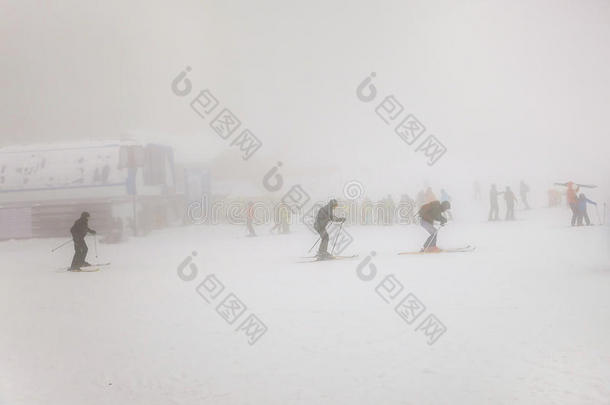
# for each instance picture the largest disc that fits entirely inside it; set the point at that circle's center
(91, 267)
(449, 250)
(576, 184)
(98, 264)
(87, 269)
(315, 259)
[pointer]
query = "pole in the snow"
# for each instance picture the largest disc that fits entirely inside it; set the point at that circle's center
(336, 237)
(426, 245)
(317, 240)
(95, 244)
(62, 245)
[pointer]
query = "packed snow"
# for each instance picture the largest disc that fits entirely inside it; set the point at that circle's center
(526, 318)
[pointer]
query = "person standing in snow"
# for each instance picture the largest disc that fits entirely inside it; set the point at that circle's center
(284, 213)
(510, 199)
(581, 207)
(324, 216)
(430, 212)
(523, 190)
(429, 196)
(572, 198)
(79, 230)
(493, 203)
(477, 191)
(446, 197)
(250, 218)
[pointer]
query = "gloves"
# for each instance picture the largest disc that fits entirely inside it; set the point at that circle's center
(93, 232)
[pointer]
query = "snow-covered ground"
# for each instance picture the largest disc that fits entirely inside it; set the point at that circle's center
(527, 317)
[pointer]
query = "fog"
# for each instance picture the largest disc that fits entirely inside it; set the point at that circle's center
(512, 89)
(181, 147)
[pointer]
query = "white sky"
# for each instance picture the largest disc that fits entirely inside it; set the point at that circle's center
(514, 89)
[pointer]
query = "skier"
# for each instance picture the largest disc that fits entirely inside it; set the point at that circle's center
(477, 190)
(510, 199)
(430, 196)
(405, 209)
(493, 203)
(324, 216)
(276, 219)
(250, 219)
(429, 213)
(572, 199)
(581, 207)
(366, 211)
(390, 210)
(79, 230)
(446, 197)
(284, 218)
(523, 190)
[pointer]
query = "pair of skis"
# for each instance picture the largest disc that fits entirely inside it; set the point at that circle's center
(90, 268)
(313, 259)
(467, 248)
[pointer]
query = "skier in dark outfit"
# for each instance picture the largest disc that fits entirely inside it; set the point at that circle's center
(429, 213)
(510, 199)
(581, 207)
(493, 203)
(324, 216)
(79, 230)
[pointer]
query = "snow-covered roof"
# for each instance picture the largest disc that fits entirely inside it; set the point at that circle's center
(38, 147)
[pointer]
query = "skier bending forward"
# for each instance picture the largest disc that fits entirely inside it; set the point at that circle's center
(325, 215)
(79, 230)
(429, 213)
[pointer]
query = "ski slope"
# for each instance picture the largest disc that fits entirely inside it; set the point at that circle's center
(526, 319)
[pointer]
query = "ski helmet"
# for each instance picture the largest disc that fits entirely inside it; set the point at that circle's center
(333, 203)
(85, 214)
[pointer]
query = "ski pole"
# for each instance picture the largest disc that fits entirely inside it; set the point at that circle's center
(598, 217)
(336, 237)
(317, 240)
(62, 245)
(95, 244)
(426, 245)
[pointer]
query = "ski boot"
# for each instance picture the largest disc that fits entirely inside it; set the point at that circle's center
(324, 256)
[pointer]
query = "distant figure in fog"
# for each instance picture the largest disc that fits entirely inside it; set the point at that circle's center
(446, 197)
(510, 199)
(493, 203)
(523, 190)
(572, 198)
(581, 207)
(430, 195)
(250, 218)
(79, 230)
(477, 191)
(284, 218)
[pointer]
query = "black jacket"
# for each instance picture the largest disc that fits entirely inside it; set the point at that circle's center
(325, 215)
(432, 212)
(80, 228)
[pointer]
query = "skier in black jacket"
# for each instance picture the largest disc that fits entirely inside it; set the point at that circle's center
(433, 211)
(324, 216)
(493, 203)
(79, 230)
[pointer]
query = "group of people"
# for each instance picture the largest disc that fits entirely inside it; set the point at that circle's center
(429, 213)
(510, 200)
(578, 204)
(430, 210)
